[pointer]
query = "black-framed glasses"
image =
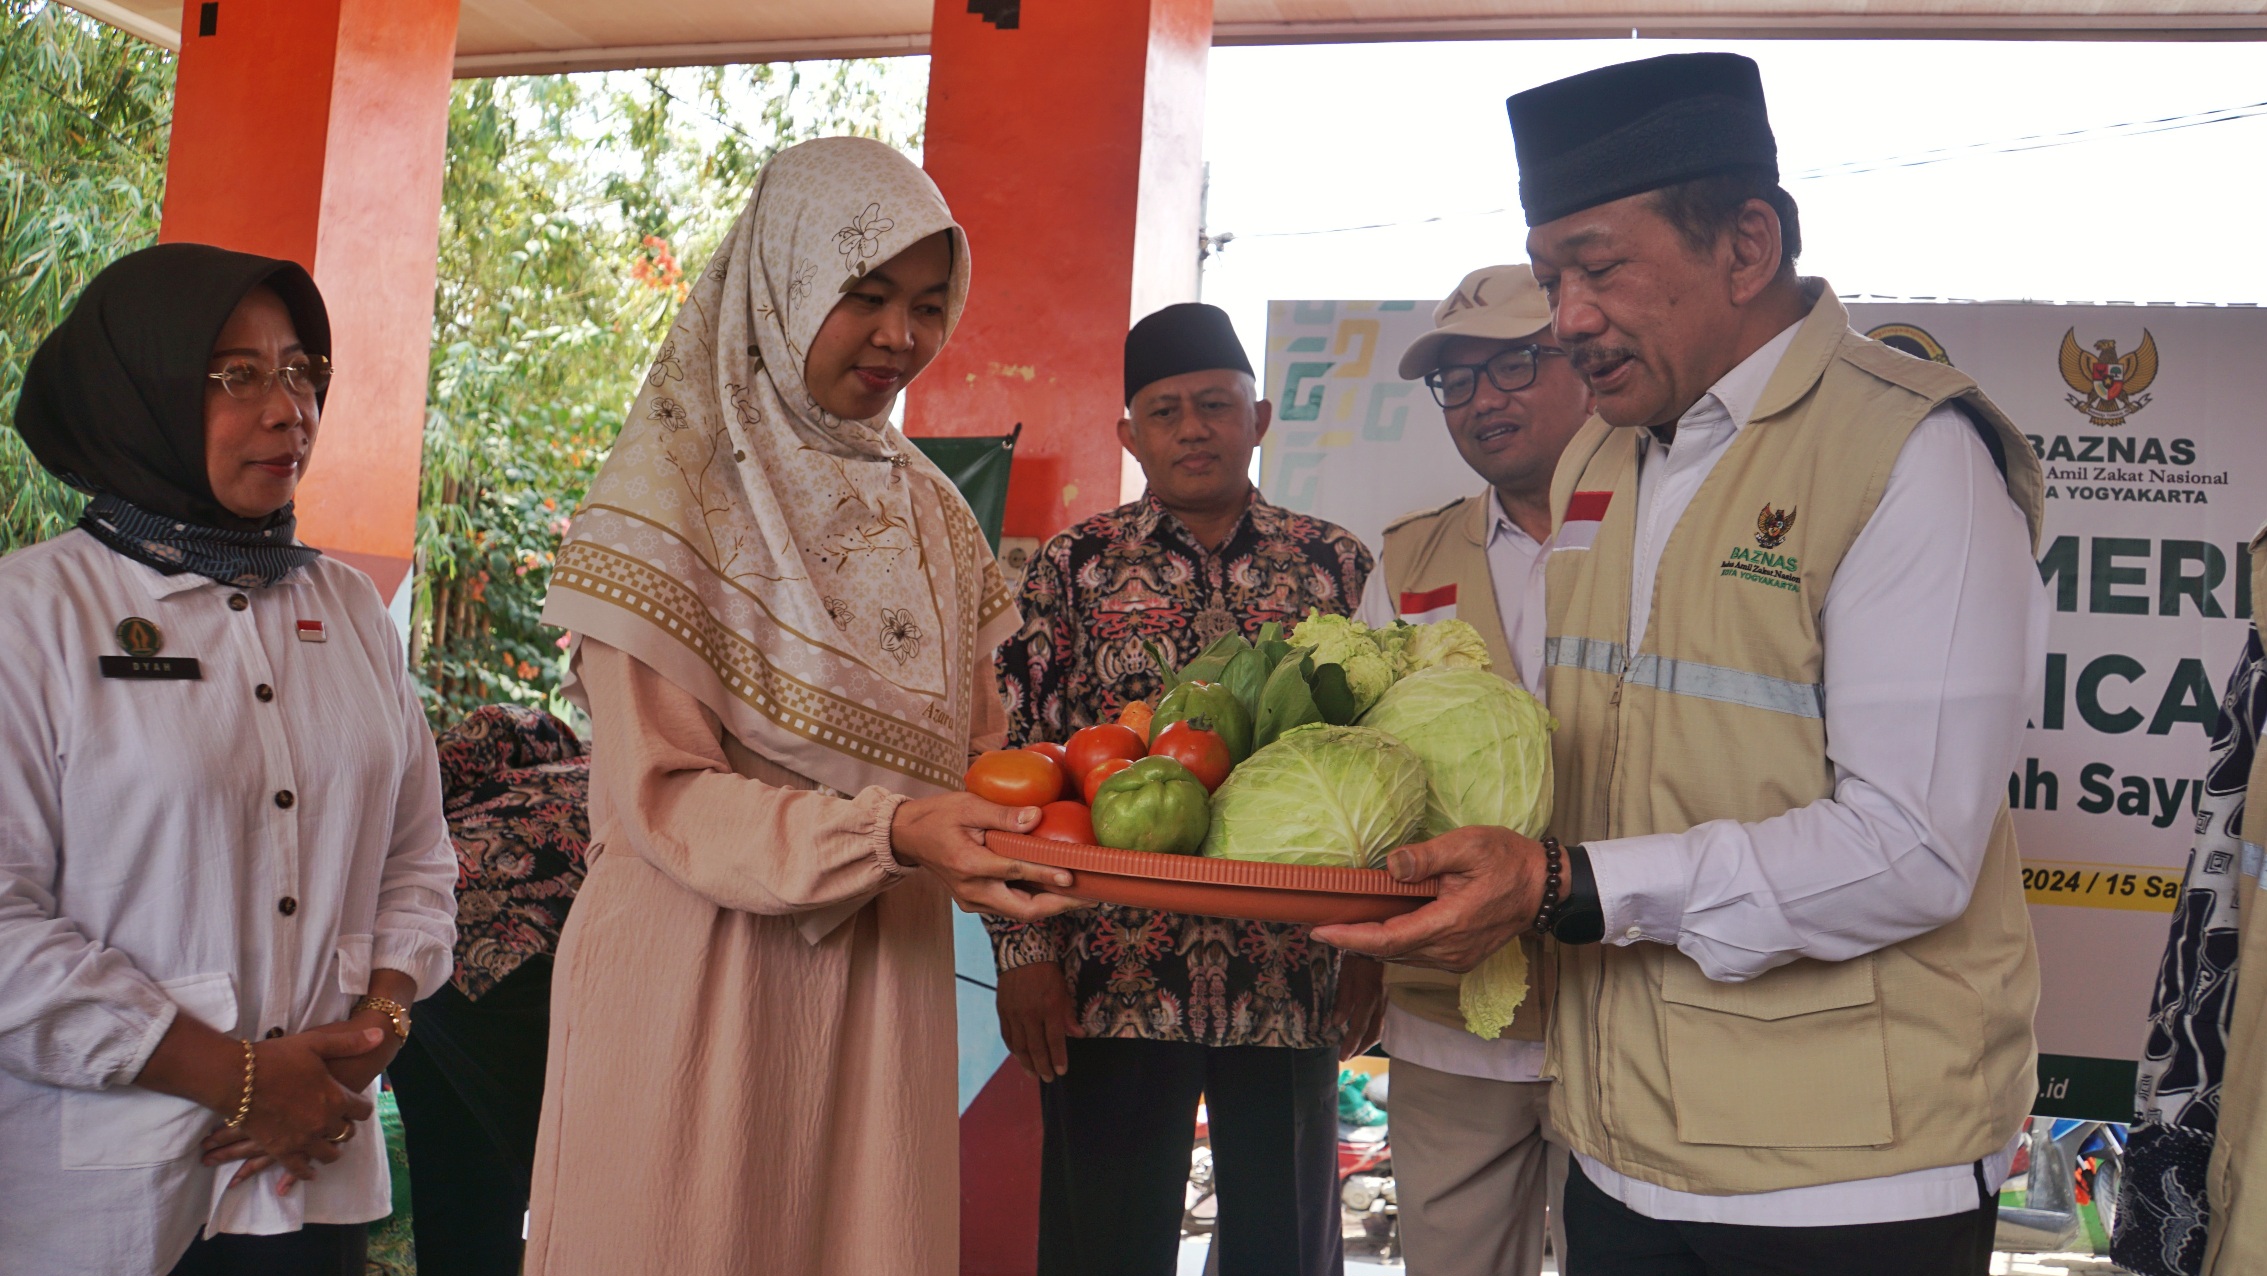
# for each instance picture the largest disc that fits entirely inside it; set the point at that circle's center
(301, 378)
(1453, 385)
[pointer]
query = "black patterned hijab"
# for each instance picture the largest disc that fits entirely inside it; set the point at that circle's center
(113, 403)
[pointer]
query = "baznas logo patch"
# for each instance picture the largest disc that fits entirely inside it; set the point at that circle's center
(2109, 385)
(1772, 526)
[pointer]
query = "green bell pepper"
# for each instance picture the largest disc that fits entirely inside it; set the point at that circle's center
(1221, 712)
(1153, 805)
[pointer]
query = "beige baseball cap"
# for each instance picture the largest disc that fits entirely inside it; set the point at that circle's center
(1494, 303)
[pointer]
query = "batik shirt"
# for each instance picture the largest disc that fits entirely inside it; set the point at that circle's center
(1088, 601)
(516, 791)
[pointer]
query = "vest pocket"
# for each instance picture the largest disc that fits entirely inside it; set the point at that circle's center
(1791, 1059)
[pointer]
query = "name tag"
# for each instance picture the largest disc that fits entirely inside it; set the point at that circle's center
(153, 668)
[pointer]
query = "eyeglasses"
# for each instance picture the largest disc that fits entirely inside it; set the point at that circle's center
(1454, 385)
(301, 380)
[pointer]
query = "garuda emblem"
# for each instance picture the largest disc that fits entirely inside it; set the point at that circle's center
(1772, 526)
(2110, 386)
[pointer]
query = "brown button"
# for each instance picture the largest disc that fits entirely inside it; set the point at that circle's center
(284, 798)
(264, 692)
(287, 905)
(238, 602)
(273, 1033)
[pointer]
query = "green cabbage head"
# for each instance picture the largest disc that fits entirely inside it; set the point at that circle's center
(1337, 640)
(1446, 644)
(1340, 797)
(1486, 748)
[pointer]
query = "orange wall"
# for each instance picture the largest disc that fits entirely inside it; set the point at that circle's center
(1071, 149)
(316, 130)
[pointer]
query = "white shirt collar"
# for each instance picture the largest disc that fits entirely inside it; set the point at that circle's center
(1500, 523)
(1731, 401)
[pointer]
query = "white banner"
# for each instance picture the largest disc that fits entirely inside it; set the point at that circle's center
(2148, 419)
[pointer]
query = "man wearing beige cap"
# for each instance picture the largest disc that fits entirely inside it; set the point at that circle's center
(1474, 1156)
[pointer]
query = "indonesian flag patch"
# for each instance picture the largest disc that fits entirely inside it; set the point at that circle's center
(312, 631)
(1584, 511)
(1430, 607)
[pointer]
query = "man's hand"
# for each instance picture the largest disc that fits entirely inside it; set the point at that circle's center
(944, 834)
(1491, 884)
(1358, 1014)
(1036, 1014)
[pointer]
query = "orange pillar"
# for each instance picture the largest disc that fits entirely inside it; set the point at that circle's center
(1069, 140)
(316, 130)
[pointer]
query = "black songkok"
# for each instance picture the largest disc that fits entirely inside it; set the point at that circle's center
(1621, 130)
(1188, 337)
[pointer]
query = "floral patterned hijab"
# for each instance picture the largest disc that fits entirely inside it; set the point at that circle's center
(815, 581)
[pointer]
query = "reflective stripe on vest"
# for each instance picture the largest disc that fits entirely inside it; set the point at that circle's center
(1689, 678)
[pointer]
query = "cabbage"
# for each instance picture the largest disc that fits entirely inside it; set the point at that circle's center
(1486, 748)
(1485, 743)
(1335, 796)
(1349, 644)
(1447, 644)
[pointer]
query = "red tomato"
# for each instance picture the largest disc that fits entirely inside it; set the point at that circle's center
(1050, 750)
(1090, 747)
(1136, 717)
(1103, 770)
(1204, 753)
(1065, 822)
(1014, 777)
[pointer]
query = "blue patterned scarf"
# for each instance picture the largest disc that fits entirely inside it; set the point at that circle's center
(246, 560)
(2162, 1219)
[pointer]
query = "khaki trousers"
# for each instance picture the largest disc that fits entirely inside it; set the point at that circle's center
(1473, 1168)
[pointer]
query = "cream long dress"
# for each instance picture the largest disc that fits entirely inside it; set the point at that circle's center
(724, 1094)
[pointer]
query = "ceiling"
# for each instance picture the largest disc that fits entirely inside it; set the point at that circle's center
(508, 37)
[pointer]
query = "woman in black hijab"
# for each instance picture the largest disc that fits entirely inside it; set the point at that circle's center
(224, 875)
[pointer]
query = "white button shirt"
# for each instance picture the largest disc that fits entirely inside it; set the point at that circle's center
(1935, 632)
(1515, 573)
(151, 866)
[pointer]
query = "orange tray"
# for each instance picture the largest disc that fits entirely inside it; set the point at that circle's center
(1242, 889)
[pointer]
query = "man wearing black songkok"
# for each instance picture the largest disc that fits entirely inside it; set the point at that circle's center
(1793, 613)
(1128, 1015)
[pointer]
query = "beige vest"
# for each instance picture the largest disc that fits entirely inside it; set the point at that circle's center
(1916, 1056)
(1449, 546)
(2237, 1181)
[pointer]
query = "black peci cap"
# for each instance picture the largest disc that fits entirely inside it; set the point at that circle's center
(1621, 130)
(1187, 337)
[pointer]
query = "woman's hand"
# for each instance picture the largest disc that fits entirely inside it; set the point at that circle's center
(945, 834)
(298, 1107)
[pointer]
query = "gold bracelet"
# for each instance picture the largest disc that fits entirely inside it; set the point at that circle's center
(244, 1105)
(393, 1010)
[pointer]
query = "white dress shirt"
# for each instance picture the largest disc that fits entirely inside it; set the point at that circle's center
(1515, 573)
(1934, 631)
(152, 865)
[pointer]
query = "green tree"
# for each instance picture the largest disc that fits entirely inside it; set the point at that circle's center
(82, 162)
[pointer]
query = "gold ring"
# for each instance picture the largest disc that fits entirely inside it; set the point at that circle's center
(345, 1134)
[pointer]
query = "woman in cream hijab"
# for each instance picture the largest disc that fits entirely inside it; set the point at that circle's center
(784, 619)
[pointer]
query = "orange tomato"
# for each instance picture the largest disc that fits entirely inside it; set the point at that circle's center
(1203, 752)
(1015, 777)
(1048, 749)
(1103, 770)
(1065, 822)
(1136, 716)
(1091, 746)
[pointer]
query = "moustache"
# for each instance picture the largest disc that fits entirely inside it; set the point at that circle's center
(1588, 357)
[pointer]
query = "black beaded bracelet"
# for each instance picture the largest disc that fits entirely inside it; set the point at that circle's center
(1547, 916)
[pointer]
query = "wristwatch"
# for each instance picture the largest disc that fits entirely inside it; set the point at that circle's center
(1581, 917)
(388, 1007)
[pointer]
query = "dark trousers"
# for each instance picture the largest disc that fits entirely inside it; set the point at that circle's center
(1120, 1126)
(1607, 1238)
(318, 1249)
(470, 1084)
